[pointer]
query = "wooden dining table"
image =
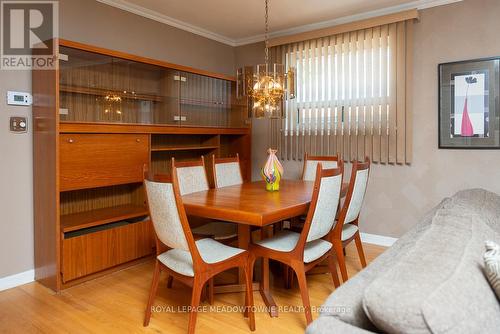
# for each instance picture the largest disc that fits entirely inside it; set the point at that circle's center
(249, 204)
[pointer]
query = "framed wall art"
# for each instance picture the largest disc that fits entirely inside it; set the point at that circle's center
(469, 110)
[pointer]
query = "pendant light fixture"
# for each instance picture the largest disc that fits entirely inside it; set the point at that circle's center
(266, 84)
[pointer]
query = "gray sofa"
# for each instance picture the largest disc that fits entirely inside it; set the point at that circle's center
(430, 281)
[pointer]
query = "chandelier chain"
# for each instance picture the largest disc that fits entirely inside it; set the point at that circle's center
(266, 34)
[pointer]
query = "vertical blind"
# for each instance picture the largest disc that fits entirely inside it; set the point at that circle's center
(352, 96)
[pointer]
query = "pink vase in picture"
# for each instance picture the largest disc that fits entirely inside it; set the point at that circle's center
(467, 130)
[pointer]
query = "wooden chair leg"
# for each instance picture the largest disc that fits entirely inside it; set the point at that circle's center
(286, 279)
(333, 269)
(265, 270)
(301, 278)
(359, 246)
(210, 291)
(287, 276)
(249, 296)
(195, 303)
(170, 280)
(152, 293)
(337, 245)
(290, 277)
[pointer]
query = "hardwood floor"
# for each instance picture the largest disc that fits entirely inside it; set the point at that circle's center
(115, 304)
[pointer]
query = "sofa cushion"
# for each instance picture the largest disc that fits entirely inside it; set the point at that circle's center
(484, 203)
(492, 265)
(346, 302)
(438, 286)
(332, 325)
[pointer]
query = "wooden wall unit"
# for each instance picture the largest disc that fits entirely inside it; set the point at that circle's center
(98, 119)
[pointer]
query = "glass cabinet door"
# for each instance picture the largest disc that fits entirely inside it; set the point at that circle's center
(202, 100)
(211, 102)
(100, 88)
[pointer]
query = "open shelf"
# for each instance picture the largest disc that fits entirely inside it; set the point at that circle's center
(86, 219)
(184, 148)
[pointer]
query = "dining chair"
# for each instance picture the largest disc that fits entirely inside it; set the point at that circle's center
(226, 171)
(346, 229)
(180, 256)
(302, 251)
(192, 177)
(309, 174)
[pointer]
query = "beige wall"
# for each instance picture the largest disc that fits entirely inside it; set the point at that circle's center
(86, 21)
(398, 196)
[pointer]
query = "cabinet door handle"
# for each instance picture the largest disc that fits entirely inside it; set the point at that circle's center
(138, 140)
(71, 141)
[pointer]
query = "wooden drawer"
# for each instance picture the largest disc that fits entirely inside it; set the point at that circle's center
(90, 253)
(98, 160)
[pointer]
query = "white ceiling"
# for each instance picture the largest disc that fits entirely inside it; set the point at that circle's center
(238, 22)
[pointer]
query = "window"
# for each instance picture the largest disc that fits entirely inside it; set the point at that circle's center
(351, 96)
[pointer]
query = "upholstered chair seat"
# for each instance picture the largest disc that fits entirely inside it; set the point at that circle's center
(285, 241)
(348, 231)
(210, 251)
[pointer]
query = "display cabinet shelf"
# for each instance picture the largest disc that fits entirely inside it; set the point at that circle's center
(184, 148)
(91, 218)
(131, 95)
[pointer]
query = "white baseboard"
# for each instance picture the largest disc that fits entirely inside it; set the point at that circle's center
(379, 240)
(12, 281)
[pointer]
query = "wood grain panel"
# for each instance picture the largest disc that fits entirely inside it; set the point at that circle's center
(93, 252)
(89, 127)
(45, 176)
(95, 160)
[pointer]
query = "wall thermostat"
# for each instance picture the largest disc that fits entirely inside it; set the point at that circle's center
(19, 98)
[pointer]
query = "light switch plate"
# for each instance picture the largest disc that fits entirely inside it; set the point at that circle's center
(18, 124)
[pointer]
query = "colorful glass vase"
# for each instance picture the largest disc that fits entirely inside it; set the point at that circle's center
(272, 171)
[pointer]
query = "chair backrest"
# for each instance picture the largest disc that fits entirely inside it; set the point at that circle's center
(324, 203)
(227, 171)
(164, 214)
(311, 162)
(356, 193)
(191, 176)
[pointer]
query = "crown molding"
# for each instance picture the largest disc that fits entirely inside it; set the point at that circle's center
(150, 14)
